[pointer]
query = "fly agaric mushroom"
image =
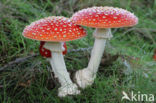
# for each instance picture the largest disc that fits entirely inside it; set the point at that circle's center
(47, 53)
(55, 30)
(154, 55)
(101, 18)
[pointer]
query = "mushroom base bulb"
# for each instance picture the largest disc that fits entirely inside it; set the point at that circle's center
(84, 78)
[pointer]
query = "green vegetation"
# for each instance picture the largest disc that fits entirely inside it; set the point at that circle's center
(30, 81)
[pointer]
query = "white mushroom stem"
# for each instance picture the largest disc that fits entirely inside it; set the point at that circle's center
(86, 76)
(60, 71)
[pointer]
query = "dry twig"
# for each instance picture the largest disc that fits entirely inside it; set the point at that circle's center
(23, 59)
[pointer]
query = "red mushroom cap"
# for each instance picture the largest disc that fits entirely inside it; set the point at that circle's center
(54, 29)
(154, 55)
(65, 51)
(105, 17)
(47, 53)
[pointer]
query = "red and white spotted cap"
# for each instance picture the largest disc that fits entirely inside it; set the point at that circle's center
(47, 53)
(105, 17)
(55, 29)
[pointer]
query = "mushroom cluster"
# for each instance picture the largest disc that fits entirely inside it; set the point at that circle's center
(54, 31)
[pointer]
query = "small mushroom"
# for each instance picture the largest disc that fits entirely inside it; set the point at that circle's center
(101, 18)
(47, 53)
(54, 31)
(154, 55)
